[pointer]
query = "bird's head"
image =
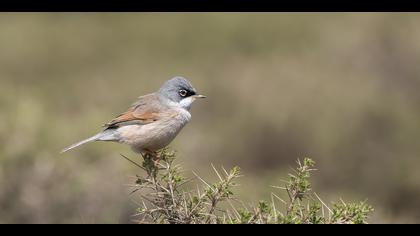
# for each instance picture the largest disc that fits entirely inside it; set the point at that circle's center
(179, 90)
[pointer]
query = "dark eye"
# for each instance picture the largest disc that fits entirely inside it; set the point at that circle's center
(183, 92)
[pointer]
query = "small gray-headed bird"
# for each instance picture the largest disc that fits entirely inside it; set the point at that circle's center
(153, 121)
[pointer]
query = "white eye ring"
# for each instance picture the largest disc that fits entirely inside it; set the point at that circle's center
(183, 93)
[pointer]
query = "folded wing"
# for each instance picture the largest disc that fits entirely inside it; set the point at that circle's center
(144, 111)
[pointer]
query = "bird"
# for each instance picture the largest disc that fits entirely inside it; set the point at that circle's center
(153, 121)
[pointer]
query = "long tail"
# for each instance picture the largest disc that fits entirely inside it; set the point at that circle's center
(106, 135)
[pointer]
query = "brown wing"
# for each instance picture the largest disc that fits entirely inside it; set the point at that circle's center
(144, 111)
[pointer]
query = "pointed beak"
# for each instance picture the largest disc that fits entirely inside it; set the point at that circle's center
(199, 96)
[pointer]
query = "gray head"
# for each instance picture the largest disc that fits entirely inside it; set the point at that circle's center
(179, 90)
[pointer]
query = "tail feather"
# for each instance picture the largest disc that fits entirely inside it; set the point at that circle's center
(106, 135)
(93, 138)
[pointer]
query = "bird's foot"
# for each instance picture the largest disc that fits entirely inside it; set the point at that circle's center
(153, 156)
(151, 163)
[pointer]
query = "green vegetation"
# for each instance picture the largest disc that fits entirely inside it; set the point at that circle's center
(165, 199)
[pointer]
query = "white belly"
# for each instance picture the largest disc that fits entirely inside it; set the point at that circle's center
(156, 135)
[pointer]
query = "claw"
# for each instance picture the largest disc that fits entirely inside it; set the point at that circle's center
(152, 155)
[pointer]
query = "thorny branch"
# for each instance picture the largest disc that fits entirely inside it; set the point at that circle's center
(166, 198)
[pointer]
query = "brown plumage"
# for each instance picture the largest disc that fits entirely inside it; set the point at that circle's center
(141, 112)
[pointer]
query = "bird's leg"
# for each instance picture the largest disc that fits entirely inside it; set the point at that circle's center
(152, 155)
(156, 158)
(150, 164)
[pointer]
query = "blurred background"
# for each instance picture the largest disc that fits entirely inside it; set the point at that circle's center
(341, 88)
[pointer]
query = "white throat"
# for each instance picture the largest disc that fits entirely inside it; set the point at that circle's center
(184, 103)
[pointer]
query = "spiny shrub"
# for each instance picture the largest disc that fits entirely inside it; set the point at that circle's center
(165, 198)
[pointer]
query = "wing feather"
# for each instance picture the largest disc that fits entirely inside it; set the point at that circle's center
(144, 111)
